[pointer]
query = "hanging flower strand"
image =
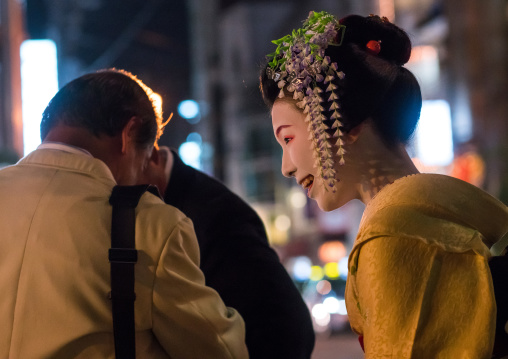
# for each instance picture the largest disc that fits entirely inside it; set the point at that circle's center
(297, 65)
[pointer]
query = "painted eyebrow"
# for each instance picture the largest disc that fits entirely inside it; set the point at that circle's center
(279, 129)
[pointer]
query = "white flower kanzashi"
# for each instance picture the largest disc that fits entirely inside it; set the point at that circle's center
(298, 64)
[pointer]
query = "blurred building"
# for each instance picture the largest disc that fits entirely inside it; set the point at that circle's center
(11, 35)
(475, 60)
(148, 38)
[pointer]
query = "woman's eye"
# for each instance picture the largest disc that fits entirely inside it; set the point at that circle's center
(287, 139)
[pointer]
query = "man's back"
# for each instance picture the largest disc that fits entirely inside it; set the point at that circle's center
(55, 221)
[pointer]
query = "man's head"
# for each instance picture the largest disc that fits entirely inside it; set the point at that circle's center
(110, 113)
(103, 102)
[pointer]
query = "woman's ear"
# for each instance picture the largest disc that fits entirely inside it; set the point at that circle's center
(353, 135)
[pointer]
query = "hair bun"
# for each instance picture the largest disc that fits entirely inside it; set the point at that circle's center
(395, 43)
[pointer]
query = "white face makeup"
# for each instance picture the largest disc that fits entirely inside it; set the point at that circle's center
(290, 130)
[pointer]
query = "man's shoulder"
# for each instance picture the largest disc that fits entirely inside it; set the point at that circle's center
(159, 225)
(153, 207)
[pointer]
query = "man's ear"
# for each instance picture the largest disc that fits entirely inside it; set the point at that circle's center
(159, 168)
(129, 134)
(155, 156)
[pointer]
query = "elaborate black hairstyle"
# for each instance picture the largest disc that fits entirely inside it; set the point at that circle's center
(375, 86)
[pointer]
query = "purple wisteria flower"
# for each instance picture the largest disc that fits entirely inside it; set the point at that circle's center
(301, 64)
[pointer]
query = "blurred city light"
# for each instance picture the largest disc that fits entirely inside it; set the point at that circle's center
(195, 137)
(282, 222)
(332, 305)
(301, 268)
(331, 251)
(342, 307)
(323, 287)
(332, 270)
(316, 273)
(189, 109)
(207, 151)
(434, 143)
(343, 267)
(320, 314)
(39, 83)
(297, 198)
(462, 119)
(190, 152)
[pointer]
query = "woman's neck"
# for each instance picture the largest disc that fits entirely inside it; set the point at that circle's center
(377, 165)
(384, 167)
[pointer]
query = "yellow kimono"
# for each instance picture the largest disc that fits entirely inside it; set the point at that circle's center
(419, 284)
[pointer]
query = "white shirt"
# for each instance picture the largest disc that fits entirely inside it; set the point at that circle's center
(63, 147)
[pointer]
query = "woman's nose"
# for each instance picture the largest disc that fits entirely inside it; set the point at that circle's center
(288, 169)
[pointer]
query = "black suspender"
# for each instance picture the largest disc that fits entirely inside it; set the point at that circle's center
(123, 256)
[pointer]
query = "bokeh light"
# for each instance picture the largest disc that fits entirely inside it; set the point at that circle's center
(323, 287)
(331, 305)
(282, 222)
(301, 268)
(331, 251)
(320, 314)
(298, 199)
(332, 270)
(316, 273)
(342, 307)
(343, 267)
(39, 83)
(195, 137)
(434, 143)
(190, 152)
(189, 109)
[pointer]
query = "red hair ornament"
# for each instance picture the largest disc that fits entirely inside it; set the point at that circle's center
(373, 47)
